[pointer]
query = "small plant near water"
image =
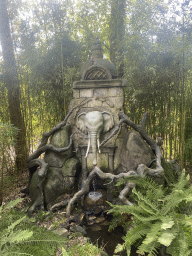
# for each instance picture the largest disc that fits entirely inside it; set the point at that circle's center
(161, 217)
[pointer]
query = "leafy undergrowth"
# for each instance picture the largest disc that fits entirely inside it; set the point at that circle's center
(161, 217)
(21, 235)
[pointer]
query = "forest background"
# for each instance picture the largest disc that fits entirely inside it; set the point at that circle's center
(150, 42)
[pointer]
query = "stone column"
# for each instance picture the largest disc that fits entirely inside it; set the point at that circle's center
(111, 153)
(83, 163)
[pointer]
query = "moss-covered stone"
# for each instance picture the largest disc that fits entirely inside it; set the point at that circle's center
(61, 180)
(134, 151)
(57, 181)
(71, 167)
(60, 139)
(33, 190)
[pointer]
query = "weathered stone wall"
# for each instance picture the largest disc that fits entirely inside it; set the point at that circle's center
(63, 172)
(105, 95)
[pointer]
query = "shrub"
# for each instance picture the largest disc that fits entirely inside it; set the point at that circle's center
(161, 216)
(18, 236)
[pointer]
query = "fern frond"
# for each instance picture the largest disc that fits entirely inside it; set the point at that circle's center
(169, 173)
(153, 189)
(146, 219)
(135, 233)
(166, 237)
(152, 234)
(17, 222)
(130, 209)
(12, 203)
(180, 245)
(151, 249)
(64, 252)
(17, 236)
(175, 198)
(145, 203)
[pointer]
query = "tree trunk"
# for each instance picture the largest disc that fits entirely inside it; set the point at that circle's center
(117, 32)
(12, 83)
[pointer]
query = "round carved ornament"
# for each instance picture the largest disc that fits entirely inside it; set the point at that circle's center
(97, 73)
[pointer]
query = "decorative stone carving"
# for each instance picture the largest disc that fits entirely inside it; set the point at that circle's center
(94, 123)
(97, 99)
(97, 73)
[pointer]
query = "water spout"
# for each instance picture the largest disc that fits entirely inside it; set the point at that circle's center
(95, 195)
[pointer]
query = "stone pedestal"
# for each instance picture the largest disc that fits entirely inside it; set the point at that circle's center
(104, 95)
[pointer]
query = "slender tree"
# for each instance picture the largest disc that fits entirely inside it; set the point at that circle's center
(117, 32)
(12, 83)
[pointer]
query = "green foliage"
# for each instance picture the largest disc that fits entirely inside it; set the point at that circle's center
(9, 236)
(162, 216)
(19, 236)
(64, 252)
(188, 150)
(86, 249)
(8, 133)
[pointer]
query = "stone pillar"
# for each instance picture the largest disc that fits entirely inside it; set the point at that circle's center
(111, 154)
(83, 163)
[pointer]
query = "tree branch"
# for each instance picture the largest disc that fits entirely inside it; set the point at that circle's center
(85, 189)
(44, 148)
(125, 191)
(46, 135)
(39, 163)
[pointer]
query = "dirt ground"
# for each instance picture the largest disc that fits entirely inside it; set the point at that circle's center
(12, 190)
(13, 185)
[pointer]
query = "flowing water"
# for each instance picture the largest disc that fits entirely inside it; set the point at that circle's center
(95, 195)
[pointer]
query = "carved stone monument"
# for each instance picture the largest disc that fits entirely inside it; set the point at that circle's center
(97, 99)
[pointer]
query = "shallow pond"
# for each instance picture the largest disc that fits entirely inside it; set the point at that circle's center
(99, 234)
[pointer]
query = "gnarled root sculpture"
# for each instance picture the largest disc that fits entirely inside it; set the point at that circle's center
(142, 170)
(33, 163)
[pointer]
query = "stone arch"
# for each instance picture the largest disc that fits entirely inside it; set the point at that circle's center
(96, 72)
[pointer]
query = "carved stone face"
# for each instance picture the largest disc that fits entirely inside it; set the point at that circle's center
(94, 122)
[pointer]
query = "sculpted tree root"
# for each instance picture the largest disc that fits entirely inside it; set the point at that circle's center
(86, 183)
(59, 205)
(155, 146)
(97, 171)
(142, 169)
(125, 191)
(40, 164)
(46, 135)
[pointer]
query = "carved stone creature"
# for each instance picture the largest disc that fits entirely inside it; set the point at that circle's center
(94, 123)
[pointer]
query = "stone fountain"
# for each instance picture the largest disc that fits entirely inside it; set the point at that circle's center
(76, 146)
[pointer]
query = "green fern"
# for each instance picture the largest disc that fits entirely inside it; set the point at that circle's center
(18, 236)
(9, 236)
(159, 218)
